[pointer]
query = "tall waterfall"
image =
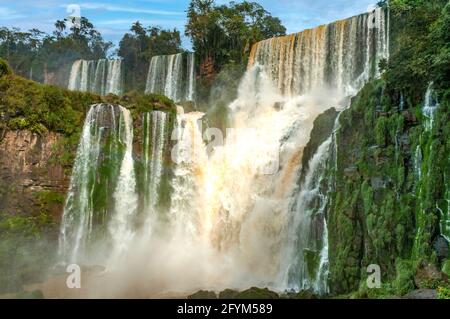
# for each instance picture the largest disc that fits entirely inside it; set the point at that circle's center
(239, 214)
(102, 179)
(342, 55)
(173, 76)
(96, 76)
(155, 126)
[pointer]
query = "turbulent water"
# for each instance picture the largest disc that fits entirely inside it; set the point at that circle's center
(173, 76)
(96, 76)
(238, 215)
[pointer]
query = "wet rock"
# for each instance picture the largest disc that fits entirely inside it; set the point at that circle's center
(351, 171)
(377, 183)
(228, 294)
(441, 247)
(306, 294)
(26, 168)
(257, 293)
(446, 267)
(203, 294)
(421, 294)
(428, 275)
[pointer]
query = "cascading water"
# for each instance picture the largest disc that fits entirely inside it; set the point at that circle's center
(307, 250)
(430, 106)
(100, 166)
(100, 76)
(154, 138)
(423, 169)
(172, 75)
(237, 216)
(342, 55)
(125, 195)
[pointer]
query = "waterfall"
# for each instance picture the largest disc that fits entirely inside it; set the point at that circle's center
(154, 141)
(307, 230)
(418, 163)
(425, 154)
(100, 165)
(190, 157)
(125, 195)
(241, 214)
(342, 55)
(172, 75)
(430, 106)
(96, 76)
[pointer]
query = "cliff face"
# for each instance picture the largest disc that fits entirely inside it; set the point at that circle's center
(30, 179)
(390, 196)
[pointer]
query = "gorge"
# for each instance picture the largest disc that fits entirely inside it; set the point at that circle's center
(230, 226)
(332, 160)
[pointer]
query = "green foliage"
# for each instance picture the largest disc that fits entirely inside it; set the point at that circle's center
(5, 69)
(404, 280)
(383, 213)
(41, 108)
(420, 44)
(257, 293)
(443, 292)
(139, 46)
(25, 249)
(35, 54)
(225, 33)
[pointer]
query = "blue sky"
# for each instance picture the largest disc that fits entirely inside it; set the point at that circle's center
(114, 17)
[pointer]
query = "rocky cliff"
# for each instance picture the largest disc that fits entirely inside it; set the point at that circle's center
(31, 180)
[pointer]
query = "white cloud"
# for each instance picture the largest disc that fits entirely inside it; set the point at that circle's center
(8, 14)
(162, 22)
(113, 8)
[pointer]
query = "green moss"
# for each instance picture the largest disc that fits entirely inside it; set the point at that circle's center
(443, 292)
(203, 294)
(5, 69)
(26, 249)
(257, 293)
(404, 280)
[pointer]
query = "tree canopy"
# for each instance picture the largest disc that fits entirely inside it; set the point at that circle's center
(34, 53)
(138, 46)
(225, 33)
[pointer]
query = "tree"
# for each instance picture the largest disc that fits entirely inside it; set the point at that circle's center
(225, 33)
(34, 53)
(138, 47)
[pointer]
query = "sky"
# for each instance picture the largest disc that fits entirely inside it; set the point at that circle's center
(113, 18)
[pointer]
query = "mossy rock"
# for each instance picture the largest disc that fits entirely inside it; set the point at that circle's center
(228, 294)
(257, 293)
(404, 281)
(5, 69)
(35, 294)
(305, 294)
(203, 294)
(446, 267)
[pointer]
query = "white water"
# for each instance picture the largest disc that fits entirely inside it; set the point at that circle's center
(238, 217)
(76, 225)
(155, 138)
(430, 106)
(100, 76)
(125, 196)
(172, 75)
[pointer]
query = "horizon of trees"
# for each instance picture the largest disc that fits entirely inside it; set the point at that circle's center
(231, 30)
